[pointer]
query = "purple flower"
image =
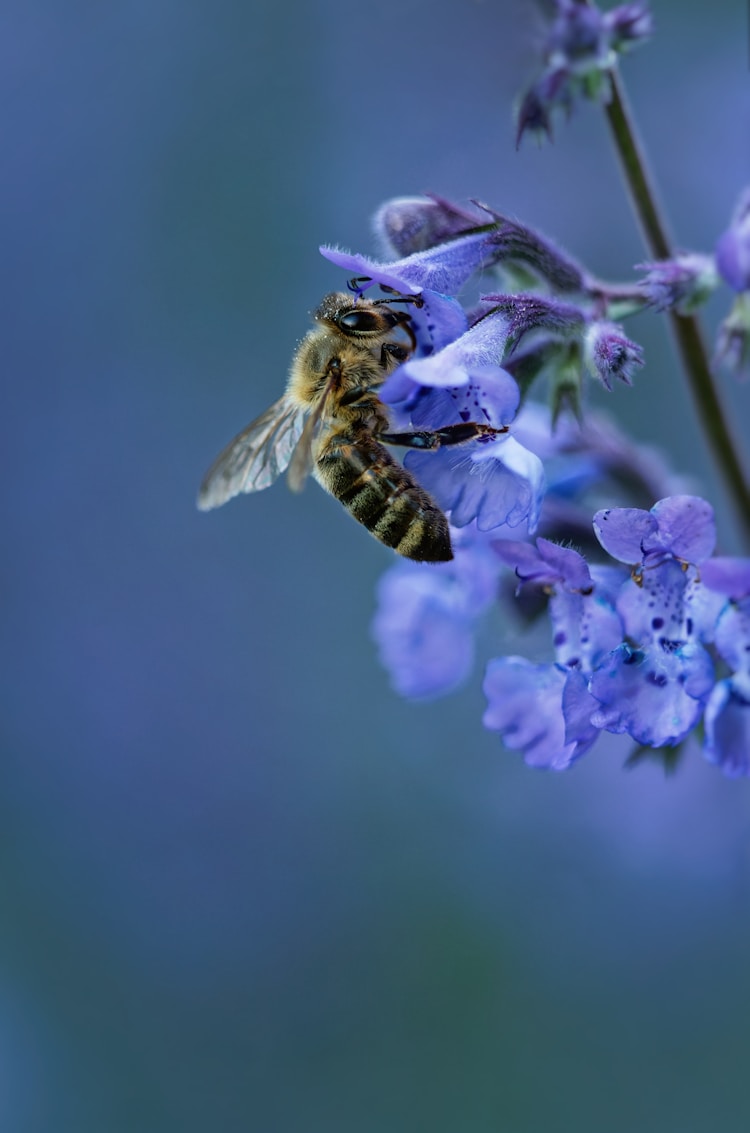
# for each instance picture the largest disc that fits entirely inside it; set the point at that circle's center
(493, 480)
(663, 602)
(424, 635)
(578, 707)
(733, 247)
(682, 284)
(546, 564)
(552, 91)
(680, 527)
(480, 348)
(654, 695)
(585, 624)
(425, 622)
(492, 484)
(444, 268)
(578, 36)
(727, 576)
(585, 627)
(610, 355)
(414, 224)
(525, 705)
(656, 691)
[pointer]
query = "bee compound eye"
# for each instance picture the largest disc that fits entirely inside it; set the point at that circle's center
(359, 322)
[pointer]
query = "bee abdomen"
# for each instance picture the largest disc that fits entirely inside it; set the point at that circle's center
(383, 496)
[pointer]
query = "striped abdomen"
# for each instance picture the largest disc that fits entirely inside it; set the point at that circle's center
(381, 494)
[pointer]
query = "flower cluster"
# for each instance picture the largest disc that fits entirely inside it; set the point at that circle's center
(632, 652)
(651, 635)
(636, 647)
(650, 632)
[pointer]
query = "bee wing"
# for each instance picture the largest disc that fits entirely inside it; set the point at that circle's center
(255, 457)
(302, 457)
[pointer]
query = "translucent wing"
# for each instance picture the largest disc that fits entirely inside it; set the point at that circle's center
(255, 457)
(302, 458)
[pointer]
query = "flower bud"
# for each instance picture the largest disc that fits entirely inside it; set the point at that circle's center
(628, 25)
(414, 224)
(683, 283)
(733, 247)
(609, 354)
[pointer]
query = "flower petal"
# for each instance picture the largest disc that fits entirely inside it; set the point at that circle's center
(481, 346)
(481, 486)
(732, 637)
(622, 530)
(728, 576)
(488, 397)
(424, 634)
(444, 268)
(727, 721)
(653, 695)
(686, 528)
(578, 706)
(524, 704)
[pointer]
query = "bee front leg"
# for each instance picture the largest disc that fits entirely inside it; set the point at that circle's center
(392, 350)
(438, 438)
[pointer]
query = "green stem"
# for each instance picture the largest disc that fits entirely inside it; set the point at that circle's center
(686, 328)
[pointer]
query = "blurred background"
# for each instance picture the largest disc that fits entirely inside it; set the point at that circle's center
(242, 885)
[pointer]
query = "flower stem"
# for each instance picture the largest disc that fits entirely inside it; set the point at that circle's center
(686, 328)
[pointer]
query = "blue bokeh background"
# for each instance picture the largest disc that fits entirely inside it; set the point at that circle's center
(243, 886)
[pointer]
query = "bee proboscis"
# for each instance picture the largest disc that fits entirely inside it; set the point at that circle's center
(331, 422)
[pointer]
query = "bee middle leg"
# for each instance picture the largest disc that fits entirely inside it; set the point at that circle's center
(432, 439)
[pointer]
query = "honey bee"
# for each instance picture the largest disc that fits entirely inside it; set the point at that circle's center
(330, 422)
